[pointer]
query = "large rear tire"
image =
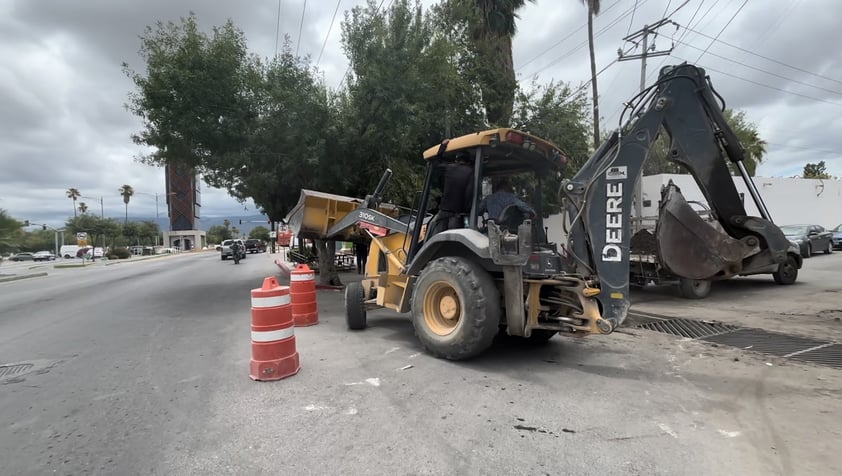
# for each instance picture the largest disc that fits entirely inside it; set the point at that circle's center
(355, 315)
(787, 271)
(694, 288)
(455, 309)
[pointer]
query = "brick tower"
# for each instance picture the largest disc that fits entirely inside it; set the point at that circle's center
(184, 202)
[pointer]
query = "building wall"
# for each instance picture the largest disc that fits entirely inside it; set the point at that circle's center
(789, 200)
(183, 198)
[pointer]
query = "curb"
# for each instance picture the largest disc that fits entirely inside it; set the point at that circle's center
(25, 276)
(74, 265)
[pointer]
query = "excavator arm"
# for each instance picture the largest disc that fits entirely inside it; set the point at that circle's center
(598, 199)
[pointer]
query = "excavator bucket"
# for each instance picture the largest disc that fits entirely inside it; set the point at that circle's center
(691, 247)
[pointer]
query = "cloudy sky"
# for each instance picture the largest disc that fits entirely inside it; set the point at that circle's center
(62, 90)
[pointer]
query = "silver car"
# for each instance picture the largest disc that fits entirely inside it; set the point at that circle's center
(225, 251)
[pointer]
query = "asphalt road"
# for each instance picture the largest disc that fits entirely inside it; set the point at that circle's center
(142, 368)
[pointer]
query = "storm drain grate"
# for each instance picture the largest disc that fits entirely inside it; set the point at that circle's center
(758, 340)
(829, 355)
(689, 328)
(9, 370)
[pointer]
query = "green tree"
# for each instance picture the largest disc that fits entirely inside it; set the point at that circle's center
(218, 234)
(126, 191)
(10, 232)
(96, 227)
(816, 171)
(131, 230)
(553, 113)
(197, 98)
(73, 194)
(593, 10)
(37, 240)
(491, 26)
(259, 233)
(148, 232)
(406, 74)
(754, 148)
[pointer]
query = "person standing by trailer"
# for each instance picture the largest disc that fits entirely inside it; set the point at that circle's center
(361, 253)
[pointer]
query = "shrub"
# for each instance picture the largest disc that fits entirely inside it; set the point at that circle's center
(119, 253)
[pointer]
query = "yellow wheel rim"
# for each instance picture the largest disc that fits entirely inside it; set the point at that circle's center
(442, 308)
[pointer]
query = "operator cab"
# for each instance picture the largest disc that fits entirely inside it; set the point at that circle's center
(486, 167)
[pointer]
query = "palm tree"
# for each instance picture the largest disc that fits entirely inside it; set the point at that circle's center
(83, 208)
(593, 10)
(126, 191)
(492, 25)
(73, 194)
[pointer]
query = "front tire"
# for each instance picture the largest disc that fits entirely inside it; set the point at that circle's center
(355, 315)
(455, 309)
(695, 288)
(787, 271)
(829, 249)
(809, 252)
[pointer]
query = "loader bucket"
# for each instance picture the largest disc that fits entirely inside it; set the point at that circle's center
(689, 246)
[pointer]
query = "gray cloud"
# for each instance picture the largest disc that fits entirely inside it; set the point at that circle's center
(62, 90)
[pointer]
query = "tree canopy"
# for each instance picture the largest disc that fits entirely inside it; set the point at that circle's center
(816, 171)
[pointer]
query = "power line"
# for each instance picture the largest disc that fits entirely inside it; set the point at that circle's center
(278, 28)
(765, 85)
(628, 30)
(580, 45)
(328, 32)
(764, 57)
(723, 29)
(300, 28)
(567, 36)
(762, 70)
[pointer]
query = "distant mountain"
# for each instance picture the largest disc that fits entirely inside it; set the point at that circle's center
(249, 222)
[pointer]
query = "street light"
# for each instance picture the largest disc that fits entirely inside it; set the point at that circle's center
(101, 207)
(157, 215)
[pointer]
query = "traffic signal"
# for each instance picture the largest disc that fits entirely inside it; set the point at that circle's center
(241, 221)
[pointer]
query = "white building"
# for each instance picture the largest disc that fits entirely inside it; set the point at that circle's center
(789, 200)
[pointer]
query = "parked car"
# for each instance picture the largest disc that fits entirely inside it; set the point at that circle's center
(25, 256)
(254, 245)
(43, 256)
(836, 237)
(809, 238)
(226, 252)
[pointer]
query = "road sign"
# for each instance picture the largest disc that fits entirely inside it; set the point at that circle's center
(81, 239)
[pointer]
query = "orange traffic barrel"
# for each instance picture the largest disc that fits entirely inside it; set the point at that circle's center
(273, 352)
(302, 284)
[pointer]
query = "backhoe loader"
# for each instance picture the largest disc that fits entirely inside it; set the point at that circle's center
(470, 280)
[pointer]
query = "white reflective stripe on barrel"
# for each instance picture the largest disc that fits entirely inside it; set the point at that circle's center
(302, 277)
(272, 336)
(271, 301)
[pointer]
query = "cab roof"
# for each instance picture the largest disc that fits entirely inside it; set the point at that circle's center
(504, 149)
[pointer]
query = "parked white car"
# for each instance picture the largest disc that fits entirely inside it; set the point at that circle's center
(43, 256)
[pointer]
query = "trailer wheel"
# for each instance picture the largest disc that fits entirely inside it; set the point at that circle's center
(787, 271)
(455, 309)
(355, 315)
(694, 288)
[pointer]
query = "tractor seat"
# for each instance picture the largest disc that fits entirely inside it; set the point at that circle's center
(510, 218)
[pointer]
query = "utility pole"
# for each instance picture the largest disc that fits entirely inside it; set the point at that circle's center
(641, 37)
